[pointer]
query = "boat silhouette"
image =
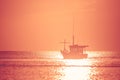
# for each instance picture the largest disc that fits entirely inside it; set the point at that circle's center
(75, 51)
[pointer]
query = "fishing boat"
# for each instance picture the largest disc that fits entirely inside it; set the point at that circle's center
(75, 51)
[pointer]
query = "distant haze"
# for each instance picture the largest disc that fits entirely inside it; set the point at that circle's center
(43, 24)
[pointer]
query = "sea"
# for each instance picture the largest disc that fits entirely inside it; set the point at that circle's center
(50, 65)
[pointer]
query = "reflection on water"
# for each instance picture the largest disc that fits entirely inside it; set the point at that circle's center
(81, 62)
(76, 73)
(76, 70)
(93, 68)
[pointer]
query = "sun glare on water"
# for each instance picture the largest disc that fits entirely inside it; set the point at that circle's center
(77, 62)
(76, 73)
(77, 69)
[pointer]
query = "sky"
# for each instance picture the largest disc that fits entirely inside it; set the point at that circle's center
(42, 24)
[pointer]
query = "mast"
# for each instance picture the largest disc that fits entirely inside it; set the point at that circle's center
(73, 40)
(64, 44)
(73, 32)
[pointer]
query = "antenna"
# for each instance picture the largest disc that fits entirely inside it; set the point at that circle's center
(64, 42)
(73, 31)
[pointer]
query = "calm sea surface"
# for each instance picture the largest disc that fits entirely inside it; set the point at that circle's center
(49, 65)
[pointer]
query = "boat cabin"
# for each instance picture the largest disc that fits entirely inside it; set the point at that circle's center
(77, 49)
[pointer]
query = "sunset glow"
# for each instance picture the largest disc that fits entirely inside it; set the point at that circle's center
(59, 39)
(42, 24)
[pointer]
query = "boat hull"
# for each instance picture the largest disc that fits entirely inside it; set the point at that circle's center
(74, 55)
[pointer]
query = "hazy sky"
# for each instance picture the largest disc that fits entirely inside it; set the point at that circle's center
(42, 24)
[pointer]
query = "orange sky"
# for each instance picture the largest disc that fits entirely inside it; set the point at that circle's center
(42, 24)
